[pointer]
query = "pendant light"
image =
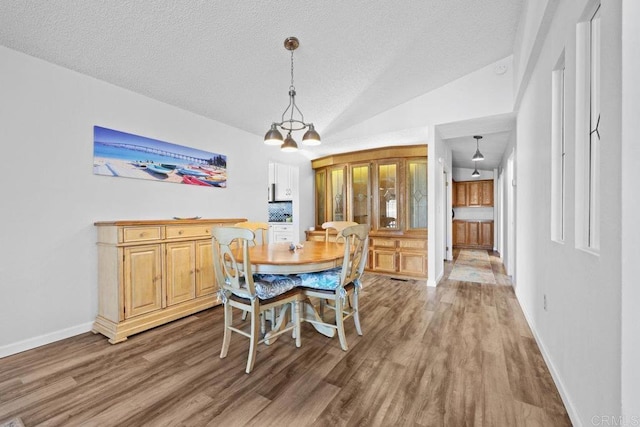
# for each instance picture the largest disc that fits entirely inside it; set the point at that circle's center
(478, 155)
(291, 123)
(475, 173)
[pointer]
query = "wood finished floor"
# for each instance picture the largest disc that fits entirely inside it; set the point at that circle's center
(461, 354)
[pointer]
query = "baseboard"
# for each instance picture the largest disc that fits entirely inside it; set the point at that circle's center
(573, 414)
(432, 283)
(28, 344)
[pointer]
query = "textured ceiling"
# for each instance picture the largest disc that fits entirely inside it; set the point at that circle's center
(225, 59)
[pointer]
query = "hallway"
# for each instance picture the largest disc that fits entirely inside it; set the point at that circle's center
(517, 386)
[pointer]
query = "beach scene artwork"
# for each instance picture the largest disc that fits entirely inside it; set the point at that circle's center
(126, 155)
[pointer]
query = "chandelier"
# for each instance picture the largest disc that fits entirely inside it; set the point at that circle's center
(292, 118)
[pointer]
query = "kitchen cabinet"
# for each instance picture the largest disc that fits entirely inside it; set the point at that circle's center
(283, 181)
(486, 234)
(486, 198)
(460, 194)
(152, 272)
(281, 233)
(459, 233)
(385, 188)
(473, 193)
(473, 234)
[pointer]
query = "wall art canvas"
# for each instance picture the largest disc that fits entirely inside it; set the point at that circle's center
(126, 155)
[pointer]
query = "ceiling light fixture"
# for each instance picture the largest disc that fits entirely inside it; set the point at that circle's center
(478, 155)
(273, 135)
(475, 173)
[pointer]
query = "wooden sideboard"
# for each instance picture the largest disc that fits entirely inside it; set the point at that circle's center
(151, 272)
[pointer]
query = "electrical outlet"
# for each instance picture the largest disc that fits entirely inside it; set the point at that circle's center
(544, 302)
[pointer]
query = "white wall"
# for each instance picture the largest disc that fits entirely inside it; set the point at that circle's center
(509, 198)
(534, 23)
(579, 333)
(49, 197)
(439, 228)
(464, 174)
(630, 366)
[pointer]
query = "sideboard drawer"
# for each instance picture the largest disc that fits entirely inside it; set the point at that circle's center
(141, 234)
(378, 242)
(182, 231)
(413, 244)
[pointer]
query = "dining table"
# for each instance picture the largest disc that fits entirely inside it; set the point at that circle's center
(287, 258)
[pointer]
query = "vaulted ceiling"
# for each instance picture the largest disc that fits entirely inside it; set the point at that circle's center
(225, 59)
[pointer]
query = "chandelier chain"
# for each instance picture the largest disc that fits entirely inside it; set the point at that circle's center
(292, 87)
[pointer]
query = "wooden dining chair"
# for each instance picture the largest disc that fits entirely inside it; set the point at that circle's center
(238, 289)
(336, 225)
(258, 228)
(341, 286)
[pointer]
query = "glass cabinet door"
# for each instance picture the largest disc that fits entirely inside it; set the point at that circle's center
(321, 197)
(360, 194)
(387, 215)
(337, 202)
(417, 193)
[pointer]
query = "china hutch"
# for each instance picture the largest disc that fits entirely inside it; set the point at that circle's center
(385, 188)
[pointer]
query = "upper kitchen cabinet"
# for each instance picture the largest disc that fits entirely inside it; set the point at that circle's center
(473, 193)
(283, 180)
(385, 188)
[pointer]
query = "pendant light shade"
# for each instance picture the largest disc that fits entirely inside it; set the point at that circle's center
(289, 145)
(273, 136)
(478, 155)
(475, 173)
(311, 137)
(292, 118)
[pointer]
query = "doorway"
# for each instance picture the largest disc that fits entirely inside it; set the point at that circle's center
(511, 218)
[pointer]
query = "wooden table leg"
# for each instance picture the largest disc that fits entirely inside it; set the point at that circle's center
(281, 321)
(309, 314)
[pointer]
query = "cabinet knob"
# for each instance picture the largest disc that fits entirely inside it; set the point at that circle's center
(180, 232)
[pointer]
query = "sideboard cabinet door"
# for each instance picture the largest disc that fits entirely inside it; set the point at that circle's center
(142, 280)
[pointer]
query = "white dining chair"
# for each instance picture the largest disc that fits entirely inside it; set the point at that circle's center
(239, 290)
(341, 286)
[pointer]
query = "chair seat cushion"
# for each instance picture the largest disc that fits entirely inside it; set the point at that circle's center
(271, 285)
(326, 280)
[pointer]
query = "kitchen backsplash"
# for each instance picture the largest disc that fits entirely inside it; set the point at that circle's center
(478, 213)
(280, 212)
